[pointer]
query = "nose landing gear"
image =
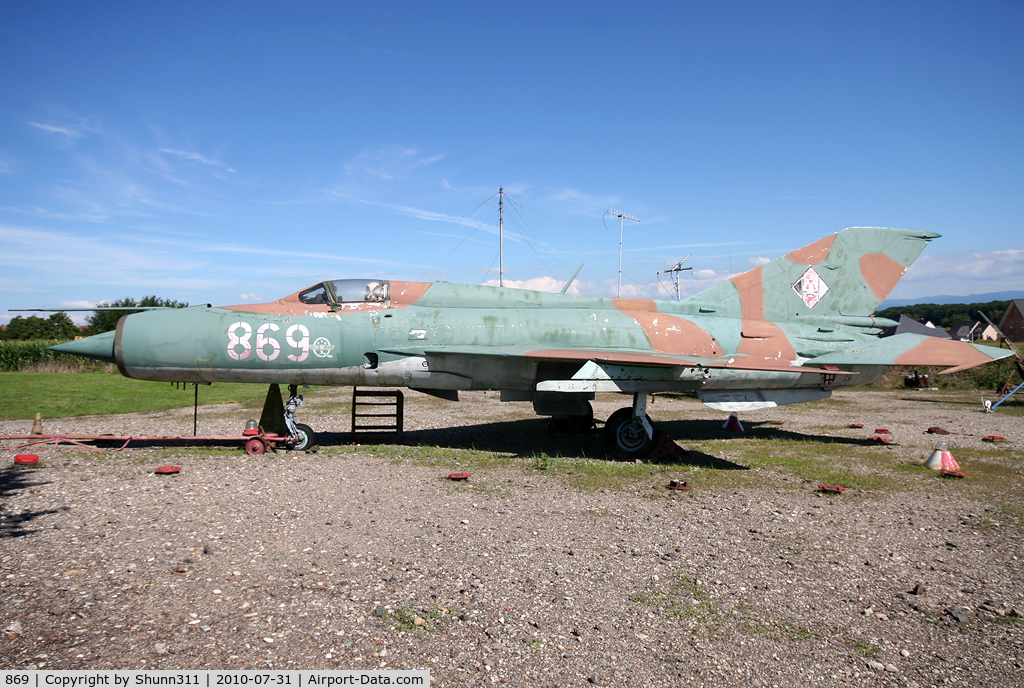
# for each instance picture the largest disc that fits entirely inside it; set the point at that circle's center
(279, 417)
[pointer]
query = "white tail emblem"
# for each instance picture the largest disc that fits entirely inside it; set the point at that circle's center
(810, 288)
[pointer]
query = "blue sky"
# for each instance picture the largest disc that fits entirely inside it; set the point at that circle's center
(236, 152)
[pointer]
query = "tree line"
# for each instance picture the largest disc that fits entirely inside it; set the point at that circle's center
(944, 315)
(60, 326)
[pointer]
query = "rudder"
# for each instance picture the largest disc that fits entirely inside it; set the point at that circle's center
(848, 273)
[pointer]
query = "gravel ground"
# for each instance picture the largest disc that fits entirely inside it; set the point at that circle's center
(365, 556)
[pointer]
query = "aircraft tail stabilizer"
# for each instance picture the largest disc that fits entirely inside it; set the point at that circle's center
(915, 350)
(848, 273)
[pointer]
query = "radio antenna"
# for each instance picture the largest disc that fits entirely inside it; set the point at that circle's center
(622, 218)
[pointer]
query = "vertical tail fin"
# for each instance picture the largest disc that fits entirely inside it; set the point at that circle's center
(848, 273)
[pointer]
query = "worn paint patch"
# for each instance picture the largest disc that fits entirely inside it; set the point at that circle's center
(812, 254)
(750, 286)
(765, 341)
(943, 352)
(673, 335)
(407, 293)
(644, 305)
(881, 273)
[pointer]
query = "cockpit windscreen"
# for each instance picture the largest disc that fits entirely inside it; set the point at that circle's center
(347, 291)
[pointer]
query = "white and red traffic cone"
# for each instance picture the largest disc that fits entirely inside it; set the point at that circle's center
(942, 460)
(733, 424)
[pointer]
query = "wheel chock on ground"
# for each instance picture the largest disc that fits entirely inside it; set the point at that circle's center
(881, 439)
(459, 476)
(733, 424)
(953, 474)
(937, 431)
(26, 458)
(882, 431)
(167, 470)
(838, 489)
(994, 438)
(664, 446)
(856, 425)
(680, 485)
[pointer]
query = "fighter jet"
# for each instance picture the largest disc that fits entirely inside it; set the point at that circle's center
(789, 331)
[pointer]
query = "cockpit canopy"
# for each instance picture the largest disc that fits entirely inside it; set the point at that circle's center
(347, 291)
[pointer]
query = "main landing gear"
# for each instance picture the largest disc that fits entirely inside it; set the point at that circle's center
(279, 418)
(628, 433)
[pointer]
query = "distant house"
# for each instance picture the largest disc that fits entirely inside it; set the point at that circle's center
(908, 325)
(1012, 324)
(972, 331)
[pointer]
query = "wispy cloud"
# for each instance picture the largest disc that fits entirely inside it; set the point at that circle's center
(433, 216)
(453, 236)
(548, 284)
(68, 130)
(54, 129)
(50, 214)
(390, 163)
(197, 157)
(971, 273)
(581, 202)
(194, 247)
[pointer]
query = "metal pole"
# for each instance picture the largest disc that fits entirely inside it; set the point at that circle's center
(995, 405)
(618, 290)
(195, 412)
(622, 218)
(501, 236)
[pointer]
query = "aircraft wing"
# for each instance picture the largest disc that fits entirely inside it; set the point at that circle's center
(915, 350)
(624, 357)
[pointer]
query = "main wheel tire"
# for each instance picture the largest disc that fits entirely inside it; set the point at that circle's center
(575, 425)
(625, 436)
(306, 438)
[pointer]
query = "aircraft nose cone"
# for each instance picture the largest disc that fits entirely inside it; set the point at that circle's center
(99, 346)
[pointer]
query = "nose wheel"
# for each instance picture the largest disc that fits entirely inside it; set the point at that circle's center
(304, 436)
(628, 433)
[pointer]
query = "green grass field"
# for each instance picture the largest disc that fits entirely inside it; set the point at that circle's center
(59, 395)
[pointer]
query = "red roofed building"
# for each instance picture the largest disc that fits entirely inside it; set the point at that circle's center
(1012, 324)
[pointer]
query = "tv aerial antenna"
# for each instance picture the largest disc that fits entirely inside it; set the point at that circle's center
(677, 268)
(622, 218)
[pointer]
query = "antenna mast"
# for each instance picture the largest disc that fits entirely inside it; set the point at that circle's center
(622, 217)
(677, 268)
(501, 236)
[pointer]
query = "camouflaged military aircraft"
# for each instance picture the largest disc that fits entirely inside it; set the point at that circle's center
(789, 331)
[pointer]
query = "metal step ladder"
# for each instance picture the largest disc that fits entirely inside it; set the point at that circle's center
(376, 412)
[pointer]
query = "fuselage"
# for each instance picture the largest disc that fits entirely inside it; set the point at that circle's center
(449, 336)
